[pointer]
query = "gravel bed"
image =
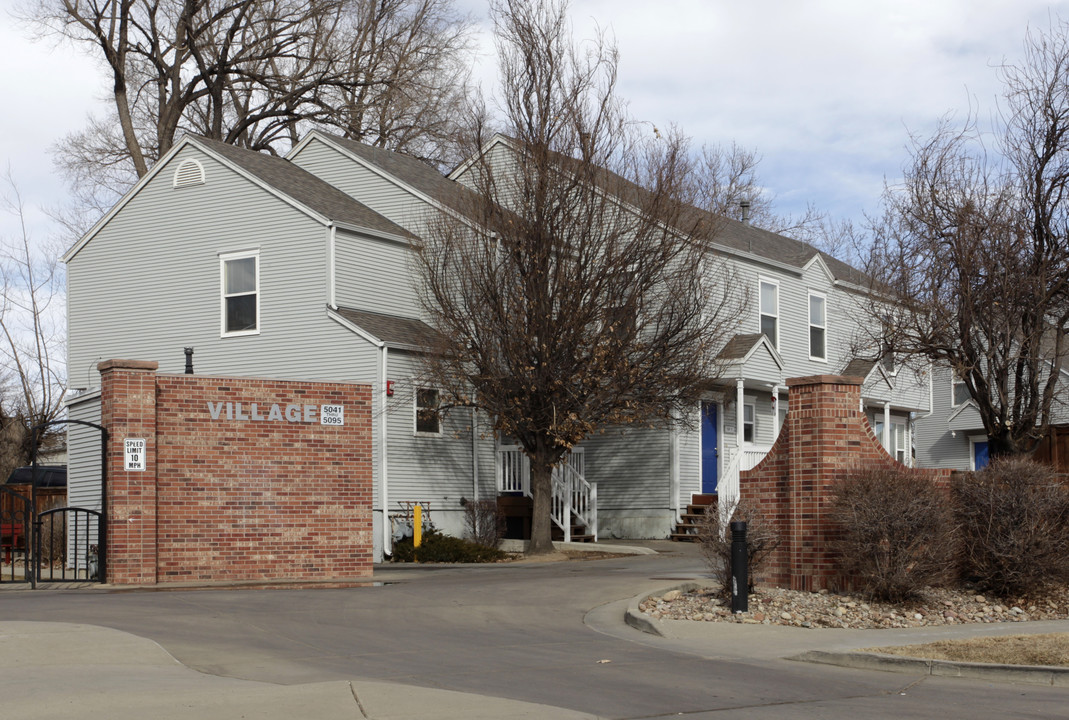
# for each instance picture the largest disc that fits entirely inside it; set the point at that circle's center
(937, 606)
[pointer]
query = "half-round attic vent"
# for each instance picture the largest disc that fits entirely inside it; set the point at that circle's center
(189, 172)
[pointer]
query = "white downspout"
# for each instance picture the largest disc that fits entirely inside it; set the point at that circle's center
(332, 299)
(887, 428)
(673, 470)
(387, 534)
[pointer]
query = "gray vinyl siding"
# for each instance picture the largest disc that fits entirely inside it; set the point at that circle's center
(383, 195)
(431, 468)
(148, 285)
(374, 274)
(84, 453)
(936, 445)
(690, 461)
(631, 467)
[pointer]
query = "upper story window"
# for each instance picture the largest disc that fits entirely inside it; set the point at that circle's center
(428, 417)
(240, 278)
(770, 311)
(818, 326)
(959, 391)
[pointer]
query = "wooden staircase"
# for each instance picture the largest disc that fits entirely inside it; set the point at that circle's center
(517, 512)
(579, 534)
(690, 521)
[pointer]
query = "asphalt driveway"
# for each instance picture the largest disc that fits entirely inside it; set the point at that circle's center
(541, 633)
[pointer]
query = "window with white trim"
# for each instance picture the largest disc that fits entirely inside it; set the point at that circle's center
(428, 416)
(959, 391)
(240, 281)
(818, 326)
(749, 424)
(769, 301)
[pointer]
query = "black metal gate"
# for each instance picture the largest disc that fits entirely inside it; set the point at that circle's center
(16, 521)
(63, 544)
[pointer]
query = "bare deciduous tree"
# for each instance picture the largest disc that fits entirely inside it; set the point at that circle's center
(579, 292)
(974, 247)
(256, 73)
(32, 333)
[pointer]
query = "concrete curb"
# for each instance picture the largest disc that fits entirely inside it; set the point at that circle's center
(1029, 674)
(639, 620)
(519, 546)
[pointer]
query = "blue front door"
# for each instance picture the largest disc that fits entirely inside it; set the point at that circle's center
(710, 451)
(980, 456)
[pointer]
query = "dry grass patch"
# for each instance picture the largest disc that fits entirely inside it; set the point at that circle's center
(1049, 649)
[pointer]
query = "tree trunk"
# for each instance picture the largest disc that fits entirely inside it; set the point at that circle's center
(541, 492)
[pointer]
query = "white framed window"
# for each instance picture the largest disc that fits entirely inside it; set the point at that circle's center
(239, 277)
(898, 445)
(749, 422)
(818, 326)
(427, 416)
(769, 308)
(959, 391)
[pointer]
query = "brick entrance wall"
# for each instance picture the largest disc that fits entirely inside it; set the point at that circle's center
(825, 437)
(230, 492)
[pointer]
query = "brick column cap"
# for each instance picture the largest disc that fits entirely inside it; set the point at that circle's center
(826, 380)
(138, 365)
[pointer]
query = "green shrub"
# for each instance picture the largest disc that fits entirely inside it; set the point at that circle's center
(439, 548)
(896, 532)
(1014, 517)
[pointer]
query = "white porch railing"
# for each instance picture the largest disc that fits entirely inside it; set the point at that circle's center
(573, 495)
(727, 486)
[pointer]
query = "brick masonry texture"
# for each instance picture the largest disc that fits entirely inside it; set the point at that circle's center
(825, 437)
(227, 500)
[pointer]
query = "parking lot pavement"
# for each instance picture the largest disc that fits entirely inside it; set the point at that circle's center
(62, 670)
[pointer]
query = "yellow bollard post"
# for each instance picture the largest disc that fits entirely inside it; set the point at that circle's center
(417, 525)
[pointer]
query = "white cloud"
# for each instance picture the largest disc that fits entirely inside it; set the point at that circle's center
(825, 90)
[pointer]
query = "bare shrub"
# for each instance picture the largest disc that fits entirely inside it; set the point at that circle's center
(483, 523)
(896, 532)
(762, 539)
(1014, 517)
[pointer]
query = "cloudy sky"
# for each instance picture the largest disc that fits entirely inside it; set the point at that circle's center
(826, 91)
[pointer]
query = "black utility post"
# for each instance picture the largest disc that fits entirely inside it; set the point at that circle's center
(740, 600)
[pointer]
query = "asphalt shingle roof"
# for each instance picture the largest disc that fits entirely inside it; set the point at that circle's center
(305, 188)
(393, 330)
(414, 172)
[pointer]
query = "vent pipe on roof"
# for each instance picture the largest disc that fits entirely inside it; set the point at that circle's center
(189, 361)
(745, 206)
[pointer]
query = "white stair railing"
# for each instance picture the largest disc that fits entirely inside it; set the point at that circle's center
(727, 486)
(573, 495)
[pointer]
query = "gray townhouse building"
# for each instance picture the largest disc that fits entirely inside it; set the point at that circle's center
(298, 268)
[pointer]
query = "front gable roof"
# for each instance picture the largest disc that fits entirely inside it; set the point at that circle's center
(752, 355)
(299, 188)
(410, 173)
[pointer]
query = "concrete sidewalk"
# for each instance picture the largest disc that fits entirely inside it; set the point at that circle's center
(60, 670)
(840, 646)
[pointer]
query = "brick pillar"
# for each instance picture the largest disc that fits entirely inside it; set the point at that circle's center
(824, 425)
(128, 410)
